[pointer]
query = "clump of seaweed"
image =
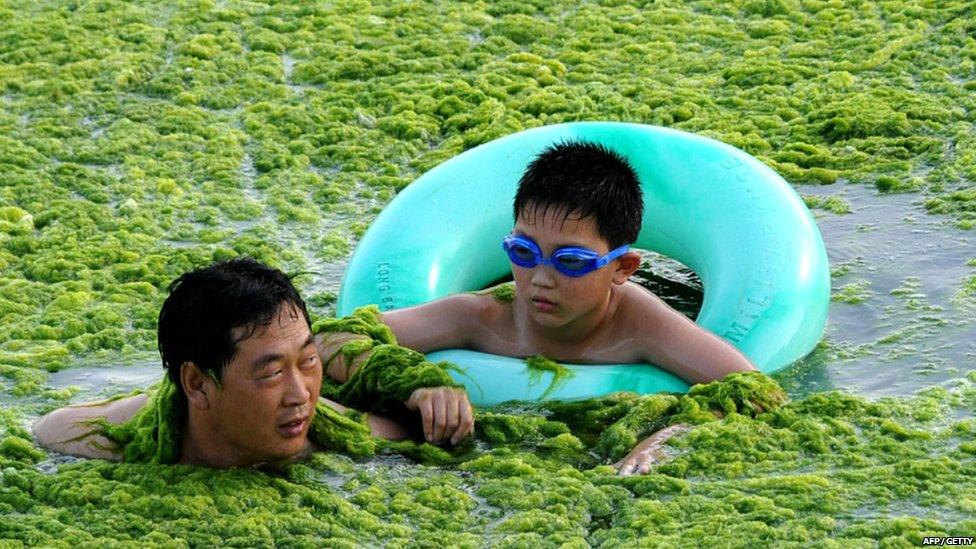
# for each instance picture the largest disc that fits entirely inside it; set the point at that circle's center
(161, 137)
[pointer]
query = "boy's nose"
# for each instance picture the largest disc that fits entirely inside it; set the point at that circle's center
(542, 275)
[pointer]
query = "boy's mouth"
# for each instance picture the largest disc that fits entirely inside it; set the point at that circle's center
(543, 304)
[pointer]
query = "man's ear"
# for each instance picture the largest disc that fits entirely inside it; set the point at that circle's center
(627, 265)
(198, 386)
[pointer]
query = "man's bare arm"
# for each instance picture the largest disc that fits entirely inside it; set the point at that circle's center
(649, 451)
(673, 342)
(60, 430)
(68, 431)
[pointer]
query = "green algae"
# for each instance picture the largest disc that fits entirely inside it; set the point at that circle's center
(960, 204)
(207, 117)
(888, 184)
(834, 204)
(388, 375)
(153, 434)
(968, 291)
(140, 140)
(810, 471)
(853, 293)
(503, 293)
(539, 365)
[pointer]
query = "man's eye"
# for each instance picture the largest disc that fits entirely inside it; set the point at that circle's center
(310, 361)
(272, 375)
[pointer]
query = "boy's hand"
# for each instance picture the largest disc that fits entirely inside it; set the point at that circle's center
(445, 412)
(649, 451)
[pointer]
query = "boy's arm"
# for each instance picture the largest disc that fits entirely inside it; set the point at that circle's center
(379, 426)
(64, 430)
(672, 341)
(446, 323)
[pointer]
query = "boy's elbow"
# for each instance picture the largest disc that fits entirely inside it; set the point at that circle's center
(742, 364)
(335, 363)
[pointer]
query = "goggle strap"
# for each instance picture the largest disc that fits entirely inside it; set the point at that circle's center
(612, 254)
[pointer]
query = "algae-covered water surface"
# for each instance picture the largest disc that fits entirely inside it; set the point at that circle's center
(139, 140)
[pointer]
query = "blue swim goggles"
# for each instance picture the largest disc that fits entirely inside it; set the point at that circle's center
(570, 261)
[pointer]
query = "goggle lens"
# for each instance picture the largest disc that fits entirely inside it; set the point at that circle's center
(572, 263)
(521, 253)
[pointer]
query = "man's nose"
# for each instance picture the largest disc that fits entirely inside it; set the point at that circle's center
(296, 392)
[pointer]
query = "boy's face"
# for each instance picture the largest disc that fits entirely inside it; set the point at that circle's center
(552, 298)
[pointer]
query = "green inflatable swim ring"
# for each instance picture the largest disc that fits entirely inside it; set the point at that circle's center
(730, 218)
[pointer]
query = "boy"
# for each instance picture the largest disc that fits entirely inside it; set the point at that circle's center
(577, 209)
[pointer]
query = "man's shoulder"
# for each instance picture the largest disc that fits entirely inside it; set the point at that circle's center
(70, 430)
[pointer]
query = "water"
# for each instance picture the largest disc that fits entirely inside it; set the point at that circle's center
(912, 330)
(673, 282)
(94, 382)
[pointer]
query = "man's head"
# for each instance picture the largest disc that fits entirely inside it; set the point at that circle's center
(235, 338)
(575, 195)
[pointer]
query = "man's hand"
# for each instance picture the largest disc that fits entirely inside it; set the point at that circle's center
(445, 411)
(649, 451)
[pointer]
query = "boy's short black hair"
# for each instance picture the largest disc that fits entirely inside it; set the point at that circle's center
(589, 180)
(197, 320)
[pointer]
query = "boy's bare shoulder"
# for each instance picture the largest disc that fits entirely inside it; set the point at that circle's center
(492, 302)
(638, 300)
(639, 310)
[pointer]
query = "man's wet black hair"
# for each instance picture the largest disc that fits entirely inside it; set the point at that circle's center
(197, 319)
(586, 180)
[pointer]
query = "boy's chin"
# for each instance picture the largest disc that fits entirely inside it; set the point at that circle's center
(552, 319)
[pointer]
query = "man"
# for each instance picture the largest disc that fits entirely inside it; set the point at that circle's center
(235, 339)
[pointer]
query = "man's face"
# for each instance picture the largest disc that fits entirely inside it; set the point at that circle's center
(266, 400)
(554, 299)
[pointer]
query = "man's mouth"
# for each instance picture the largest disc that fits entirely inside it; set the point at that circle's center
(293, 428)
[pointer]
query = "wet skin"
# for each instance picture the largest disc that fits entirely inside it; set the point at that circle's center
(600, 317)
(264, 403)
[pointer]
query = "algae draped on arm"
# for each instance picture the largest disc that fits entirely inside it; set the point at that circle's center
(153, 434)
(610, 426)
(390, 373)
(615, 423)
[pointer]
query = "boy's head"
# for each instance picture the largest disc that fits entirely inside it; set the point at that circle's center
(584, 180)
(577, 207)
